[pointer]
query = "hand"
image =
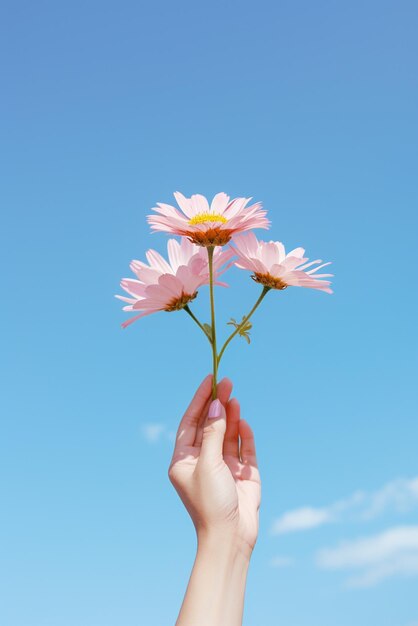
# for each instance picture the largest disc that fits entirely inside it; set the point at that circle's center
(214, 467)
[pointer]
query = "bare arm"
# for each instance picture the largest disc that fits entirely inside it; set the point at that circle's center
(214, 470)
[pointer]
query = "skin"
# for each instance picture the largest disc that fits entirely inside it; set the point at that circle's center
(214, 470)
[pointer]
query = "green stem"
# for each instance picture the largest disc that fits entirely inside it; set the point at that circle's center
(193, 316)
(213, 325)
(246, 318)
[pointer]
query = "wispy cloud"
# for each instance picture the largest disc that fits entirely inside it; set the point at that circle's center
(399, 496)
(301, 519)
(281, 561)
(156, 432)
(377, 557)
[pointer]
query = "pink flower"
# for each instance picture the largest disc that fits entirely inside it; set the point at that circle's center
(170, 286)
(204, 225)
(274, 268)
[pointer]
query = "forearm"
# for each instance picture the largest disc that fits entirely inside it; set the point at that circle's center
(215, 593)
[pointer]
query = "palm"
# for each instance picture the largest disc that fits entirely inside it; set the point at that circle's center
(248, 494)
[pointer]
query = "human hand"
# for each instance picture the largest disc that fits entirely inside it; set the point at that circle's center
(214, 467)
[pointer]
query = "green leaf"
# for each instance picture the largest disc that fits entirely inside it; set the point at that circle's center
(244, 331)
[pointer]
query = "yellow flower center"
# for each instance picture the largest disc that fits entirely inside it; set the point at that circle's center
(201, 218)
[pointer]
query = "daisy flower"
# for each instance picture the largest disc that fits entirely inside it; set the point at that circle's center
(273, 268)
(204, 225)
(170, 285)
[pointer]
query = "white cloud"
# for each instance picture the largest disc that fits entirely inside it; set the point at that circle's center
(281, 561)
(301, 519)
(155, 432)
(377, 557)
(399, 496)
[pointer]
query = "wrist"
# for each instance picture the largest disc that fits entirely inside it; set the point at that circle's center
(215, 594)
(224, 545)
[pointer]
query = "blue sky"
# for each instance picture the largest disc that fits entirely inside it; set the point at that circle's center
(108, 108)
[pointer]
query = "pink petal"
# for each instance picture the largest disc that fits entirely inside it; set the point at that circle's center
(167, 210)
(124, 299)
(297, 252)
(171, 283)
(158, 262)
(189, 280)
(318, 268)
(291, 262)
(185, 204)
(246, 244)
(235, 207)
(270, 254)
(133, 319)
(174, 253)
(304, 267)
(278, 271)
(148, 275)
(133, 287)
(199, 204)
(219, 203)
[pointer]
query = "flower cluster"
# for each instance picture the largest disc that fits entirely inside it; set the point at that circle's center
(212, 239)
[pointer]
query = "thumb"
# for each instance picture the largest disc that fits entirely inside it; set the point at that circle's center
(214, 432)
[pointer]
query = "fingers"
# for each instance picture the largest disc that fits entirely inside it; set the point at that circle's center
(247, 448)
(186, 432)
(231, 441)
(223, 392)
(213, 433)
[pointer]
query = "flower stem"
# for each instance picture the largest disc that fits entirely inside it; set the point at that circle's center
(246, 318)
(193, 316)
(213, 325)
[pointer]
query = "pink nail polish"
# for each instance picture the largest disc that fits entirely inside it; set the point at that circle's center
(215, 409)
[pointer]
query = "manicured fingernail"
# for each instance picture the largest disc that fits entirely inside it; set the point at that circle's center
(215, 409)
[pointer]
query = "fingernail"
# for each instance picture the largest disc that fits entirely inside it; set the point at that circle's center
(215, 409)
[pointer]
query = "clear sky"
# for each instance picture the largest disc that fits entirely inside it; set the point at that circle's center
(109, 107)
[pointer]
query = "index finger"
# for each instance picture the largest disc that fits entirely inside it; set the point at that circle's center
(186, 432)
